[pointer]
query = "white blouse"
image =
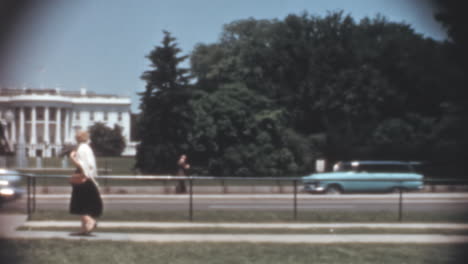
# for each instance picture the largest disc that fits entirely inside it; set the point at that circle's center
(87, 161)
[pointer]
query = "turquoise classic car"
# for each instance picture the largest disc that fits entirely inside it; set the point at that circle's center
(365, 177)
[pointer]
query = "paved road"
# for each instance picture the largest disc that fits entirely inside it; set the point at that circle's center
(355, 203)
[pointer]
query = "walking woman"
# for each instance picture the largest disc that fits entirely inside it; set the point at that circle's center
(85, 200)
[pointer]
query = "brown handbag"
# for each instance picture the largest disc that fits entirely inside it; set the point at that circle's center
(77, 178)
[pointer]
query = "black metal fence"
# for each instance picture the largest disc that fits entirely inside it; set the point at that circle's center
(295, 181)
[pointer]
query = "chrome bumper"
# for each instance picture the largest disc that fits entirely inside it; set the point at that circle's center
(313, 188)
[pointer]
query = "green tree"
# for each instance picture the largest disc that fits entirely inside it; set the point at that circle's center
(237, 133)
(451, 147)
(273, 95)
(332, 76)
(165, 114)
(107, 141)
(452, 15)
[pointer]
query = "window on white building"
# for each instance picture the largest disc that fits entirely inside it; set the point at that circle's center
(52, 114)
(119, 117)
(40, 113)
(91, 116)
(106, 117)
(77, 115)
(27, 113)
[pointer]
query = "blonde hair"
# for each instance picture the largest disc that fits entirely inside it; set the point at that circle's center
(82, 136)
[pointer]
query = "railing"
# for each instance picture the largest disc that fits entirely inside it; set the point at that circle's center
(32, 186)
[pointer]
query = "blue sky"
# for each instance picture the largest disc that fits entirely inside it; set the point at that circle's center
(102, 44)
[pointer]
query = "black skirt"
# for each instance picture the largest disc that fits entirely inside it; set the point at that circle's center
(86, 200)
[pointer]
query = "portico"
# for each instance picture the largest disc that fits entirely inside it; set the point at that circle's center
(44, 128)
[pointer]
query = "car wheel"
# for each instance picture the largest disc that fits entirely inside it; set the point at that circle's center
(333, 189)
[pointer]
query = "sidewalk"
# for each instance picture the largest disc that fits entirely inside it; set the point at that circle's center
(255, 238)
(10, 223)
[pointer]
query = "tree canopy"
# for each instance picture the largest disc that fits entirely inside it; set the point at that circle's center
(271, 96)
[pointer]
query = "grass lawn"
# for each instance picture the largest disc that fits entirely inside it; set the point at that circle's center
(118, 165)
(322, 216)
(63, 252)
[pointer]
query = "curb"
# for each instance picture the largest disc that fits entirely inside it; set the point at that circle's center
(136, 225)
(242, 238)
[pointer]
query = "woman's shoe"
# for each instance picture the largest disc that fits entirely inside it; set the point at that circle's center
(81, 233)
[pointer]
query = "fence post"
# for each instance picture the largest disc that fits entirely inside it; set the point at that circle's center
(166, 189)
(224, 186)
(295, 200)
(190, 199)
(400, 205)
(46, 185)
(28, 198)
(34, 194)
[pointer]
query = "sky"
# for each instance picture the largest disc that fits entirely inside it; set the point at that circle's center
(101, 44)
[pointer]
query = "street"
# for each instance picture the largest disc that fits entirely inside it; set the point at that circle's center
(416, 202)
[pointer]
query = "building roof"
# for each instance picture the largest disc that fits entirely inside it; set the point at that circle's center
(49, 91)
(8, 95)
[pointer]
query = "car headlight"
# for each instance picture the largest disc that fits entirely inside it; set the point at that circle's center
(7, 191)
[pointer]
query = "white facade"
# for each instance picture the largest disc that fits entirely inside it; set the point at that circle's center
(46, 119)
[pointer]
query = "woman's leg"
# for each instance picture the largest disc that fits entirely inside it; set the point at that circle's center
(83, 219)
(87, 223)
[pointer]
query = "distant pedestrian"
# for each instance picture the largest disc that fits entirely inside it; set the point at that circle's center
(182, 170)
(85, 200)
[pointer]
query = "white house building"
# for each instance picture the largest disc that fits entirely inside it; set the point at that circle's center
(44, 120)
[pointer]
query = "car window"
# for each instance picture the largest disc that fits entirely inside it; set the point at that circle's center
(384, 168)
(10, 178)
(360, 167)
(340, 166)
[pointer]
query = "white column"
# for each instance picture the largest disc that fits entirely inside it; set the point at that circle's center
(21, 126)
(84, 119)
(7, 133)
(46, 132)
(33, 139)
(6, 122)
(67, 126)
(58, 126)
(46, 125)
(126, 125)
(13, 130)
